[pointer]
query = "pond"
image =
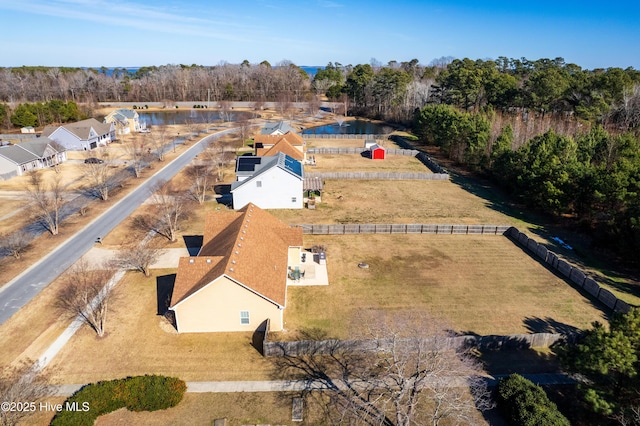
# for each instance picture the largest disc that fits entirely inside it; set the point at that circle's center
(194, 116)
(353, 127)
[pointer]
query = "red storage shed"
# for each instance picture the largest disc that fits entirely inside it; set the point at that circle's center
(377, 152)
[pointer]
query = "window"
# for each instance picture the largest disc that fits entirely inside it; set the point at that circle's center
(294, 199)
(259, 183)
(244, 317)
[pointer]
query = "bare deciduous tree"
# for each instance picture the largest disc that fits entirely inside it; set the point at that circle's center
(25, 385)
(48, 200)
(200, 174)
(159, 137)
(171, 209)
(86, 294)
(138, 256)
(139, 151)
(15, 243)
(405, 372)
(100, 174)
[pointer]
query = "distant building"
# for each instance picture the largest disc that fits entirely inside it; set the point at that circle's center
(289, 143)
(279, 128)
(83, 135)
(32, 154)
(126, 121)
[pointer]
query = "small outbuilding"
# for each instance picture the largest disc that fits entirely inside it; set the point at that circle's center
(377, 152)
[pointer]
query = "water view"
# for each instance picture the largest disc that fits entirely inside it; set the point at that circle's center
(353, 127)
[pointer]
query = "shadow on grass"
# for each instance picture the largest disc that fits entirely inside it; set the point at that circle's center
(593, 301)
(549, 325)
(164, 291)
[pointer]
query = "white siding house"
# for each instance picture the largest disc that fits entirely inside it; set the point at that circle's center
(83, 135)
(273, 182)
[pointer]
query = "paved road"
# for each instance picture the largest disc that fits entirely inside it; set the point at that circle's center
(18, 292)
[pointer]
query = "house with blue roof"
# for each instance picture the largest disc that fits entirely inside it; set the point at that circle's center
(273, 182)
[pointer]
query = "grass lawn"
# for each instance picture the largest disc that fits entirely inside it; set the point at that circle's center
(238, 408)
(358, 163)
(385, 201)
(138, 341)
(477, 284)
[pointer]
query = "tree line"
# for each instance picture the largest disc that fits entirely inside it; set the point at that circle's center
(391, 92)
(592, 177)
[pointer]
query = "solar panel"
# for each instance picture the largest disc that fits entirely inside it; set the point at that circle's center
(293, 165)
(247, 164)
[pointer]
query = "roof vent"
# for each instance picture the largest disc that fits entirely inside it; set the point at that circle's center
(237, 252)
(239, 245)
(231, 269)
(191, 260)
(208, 260)
(242, 238)
(233, 261)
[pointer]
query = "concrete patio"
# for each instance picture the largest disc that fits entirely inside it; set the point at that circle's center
(311, 272)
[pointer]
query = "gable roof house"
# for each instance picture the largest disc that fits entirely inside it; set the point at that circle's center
(83, 135)
(279, 128)
(31, 154)
(126, 121)
(274, 182)
(239, 278)
(290, 143)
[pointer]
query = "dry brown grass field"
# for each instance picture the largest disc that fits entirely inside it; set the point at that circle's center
(138, 341)
(359, 163)
(238, 408)
(387, 201)
(477, 284)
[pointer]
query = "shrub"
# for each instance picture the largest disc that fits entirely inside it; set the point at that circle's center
(527, 404)
(140, 393)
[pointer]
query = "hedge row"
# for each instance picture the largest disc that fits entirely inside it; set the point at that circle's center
(527, 404)
(140, 393)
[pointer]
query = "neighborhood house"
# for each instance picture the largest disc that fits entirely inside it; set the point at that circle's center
(290, 143)
(126, 121)
(274, 182)
(83, 135)
(238, 280)
(31, 154)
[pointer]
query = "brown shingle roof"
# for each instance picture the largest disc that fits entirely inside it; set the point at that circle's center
(250, 246)
(284, 146)
(269, 140)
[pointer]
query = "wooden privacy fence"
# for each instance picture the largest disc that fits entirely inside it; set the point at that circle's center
(572, 273)
(422, 156)
(325, 347)
(379, 175)
(401, 228)
(354, 150)
(342, 136)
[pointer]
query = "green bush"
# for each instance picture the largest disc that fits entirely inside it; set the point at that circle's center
(140, 393)
(527, 404)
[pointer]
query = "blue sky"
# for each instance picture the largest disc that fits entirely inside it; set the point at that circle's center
(592, 34)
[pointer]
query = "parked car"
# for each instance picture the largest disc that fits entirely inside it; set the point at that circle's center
(93, 160)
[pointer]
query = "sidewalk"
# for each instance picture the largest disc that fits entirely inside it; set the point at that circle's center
(300, 385)
(168, 259)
